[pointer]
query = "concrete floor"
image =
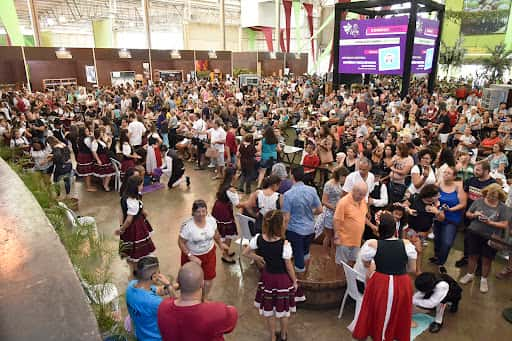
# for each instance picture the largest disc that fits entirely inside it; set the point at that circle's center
(479, 316)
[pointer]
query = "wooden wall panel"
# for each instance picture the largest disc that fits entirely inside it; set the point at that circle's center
(297, 66)
(107, 60)
(44, 64)
(245, 60)
(161, 60)
(50, 69)
(12, 69)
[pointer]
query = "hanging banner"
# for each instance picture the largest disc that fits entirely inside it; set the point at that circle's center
(287, 4)
(9, 19)
(298, 35)
(251, 38)
(281, 40)
(309, 12)
(267, 31)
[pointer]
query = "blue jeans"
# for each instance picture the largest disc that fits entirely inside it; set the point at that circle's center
(300, 247)
(165, 139)
(444, 233)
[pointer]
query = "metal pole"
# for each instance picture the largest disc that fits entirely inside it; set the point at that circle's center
(34, 21)
(95, 66)
(278, 24)
(338, 11)
(222, 25)
(409, 46)
(145, 6)
(27, 75)
(433, 73)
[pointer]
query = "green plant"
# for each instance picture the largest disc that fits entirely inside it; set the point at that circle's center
(452, 56)
(497, 63)
(88, 251)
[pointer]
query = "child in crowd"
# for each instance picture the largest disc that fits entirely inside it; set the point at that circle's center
(310, 162)
(436, 291)
(275, 296)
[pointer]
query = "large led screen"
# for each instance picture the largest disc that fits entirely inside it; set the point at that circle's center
(489, 24)
(377, 46)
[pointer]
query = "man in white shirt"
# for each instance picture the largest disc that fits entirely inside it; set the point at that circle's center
(136, 130)
(218, 139)
(200, 136)
(363, 174)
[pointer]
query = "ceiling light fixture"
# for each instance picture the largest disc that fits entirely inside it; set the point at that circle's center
(212, 54)
(175, 54)
(62, 19)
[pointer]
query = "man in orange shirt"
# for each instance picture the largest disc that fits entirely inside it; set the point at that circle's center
(349, 220)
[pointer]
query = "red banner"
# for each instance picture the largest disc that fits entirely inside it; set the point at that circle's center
(267, 31)
(287, 4)
(309, 12)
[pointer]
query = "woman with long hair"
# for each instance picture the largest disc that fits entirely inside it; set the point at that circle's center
(103, 167)
(85, 159)
(268, 148)
(247, 159)
(386, 311)
(263, 200)
(129, 156)
(197, 239)
(134, 229)
(331, 194)
(222, 211)
(275, 296)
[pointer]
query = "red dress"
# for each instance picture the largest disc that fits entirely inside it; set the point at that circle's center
(386, 310)
(106, 168)
(223, 213)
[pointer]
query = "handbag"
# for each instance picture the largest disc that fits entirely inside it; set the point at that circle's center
(498, 243)
(212, 153)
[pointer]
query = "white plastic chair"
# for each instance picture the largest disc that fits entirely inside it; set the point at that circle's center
(117, 177)
(245, 235)
(103, 294)
(351, 276)
(77, 221)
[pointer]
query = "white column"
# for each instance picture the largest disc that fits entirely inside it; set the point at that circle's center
(278, 25)
(222, 25)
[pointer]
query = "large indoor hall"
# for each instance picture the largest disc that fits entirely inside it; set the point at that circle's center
(255, 170)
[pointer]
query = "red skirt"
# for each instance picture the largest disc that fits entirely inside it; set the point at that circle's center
(106, 168)
(208, 263)
(84, 164)
(158, 156)
(135, 243)
(275, 295)
(386, 310)
(127, 164)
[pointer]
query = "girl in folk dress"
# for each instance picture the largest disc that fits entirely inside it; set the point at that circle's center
(275, 296)
(386, 311)
(134, 231)
(103, 167)
(84, 159)
(222, 211)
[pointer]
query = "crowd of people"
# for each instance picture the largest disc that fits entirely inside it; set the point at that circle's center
(377, 177)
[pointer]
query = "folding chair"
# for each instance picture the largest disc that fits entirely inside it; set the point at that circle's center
(245, 235)
(351, 277)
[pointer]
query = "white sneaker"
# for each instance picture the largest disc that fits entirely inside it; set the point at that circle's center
(431, 235)
(211, 165)
(466, 278)
(484, 286)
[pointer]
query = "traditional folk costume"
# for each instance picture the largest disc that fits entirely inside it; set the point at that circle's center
(275, 295)
(386, 310)
(136, 240)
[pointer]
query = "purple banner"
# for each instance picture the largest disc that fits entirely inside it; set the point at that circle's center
(377, 46)
(424, 45)
(373, 46)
